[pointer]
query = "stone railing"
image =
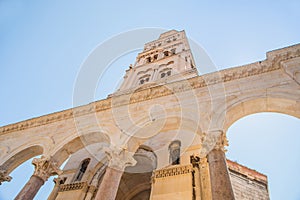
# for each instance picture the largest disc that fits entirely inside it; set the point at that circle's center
(173, 171)
(72, 186)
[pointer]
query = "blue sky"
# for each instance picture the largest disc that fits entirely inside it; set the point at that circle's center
(44, 43)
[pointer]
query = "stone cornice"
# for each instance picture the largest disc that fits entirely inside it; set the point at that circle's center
(271, 64)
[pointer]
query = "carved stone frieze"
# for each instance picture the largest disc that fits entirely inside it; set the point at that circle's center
(44, 168)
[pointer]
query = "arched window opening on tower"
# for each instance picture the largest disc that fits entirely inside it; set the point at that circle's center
(165, 73)
(144, 79)
(174, 151)
(166, 53)
(148, 59)
(82, 168)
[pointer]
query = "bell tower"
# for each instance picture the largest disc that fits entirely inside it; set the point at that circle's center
(164, 60)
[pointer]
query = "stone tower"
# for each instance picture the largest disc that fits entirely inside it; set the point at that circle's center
(167, 59)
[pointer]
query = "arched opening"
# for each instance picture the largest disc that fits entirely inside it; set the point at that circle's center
(82, 169)
(20, 168)
(174, 152)
(9, 190)
(269, 143)
(18, 158)
(136, 181)
(77, 143)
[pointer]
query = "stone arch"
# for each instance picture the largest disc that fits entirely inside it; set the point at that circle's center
(20, 157)
(257, 105)
(136, 180)
(160, 126)
(267, 136)
(186, 130)
(77, 143)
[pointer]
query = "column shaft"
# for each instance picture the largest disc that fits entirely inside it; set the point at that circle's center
(220, 181)
(109, 186)
(54, 193)
(30, 189)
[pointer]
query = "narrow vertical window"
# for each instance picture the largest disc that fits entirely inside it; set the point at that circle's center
(174, 150)
(82, 168)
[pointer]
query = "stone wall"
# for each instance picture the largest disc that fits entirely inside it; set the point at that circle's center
(247, 184)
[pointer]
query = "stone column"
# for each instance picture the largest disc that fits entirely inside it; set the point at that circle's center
(44, 168)
(119, 159)
(4, 176)
(55, 190)
(221, 187)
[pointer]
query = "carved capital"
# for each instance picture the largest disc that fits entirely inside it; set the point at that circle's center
(44, 168)
(213, 140)
(4, 176)
(119, 158)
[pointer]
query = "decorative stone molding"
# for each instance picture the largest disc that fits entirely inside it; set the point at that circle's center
(273, 62)
(73, 186)
(174, 171)
(44, 168)
(58, 181)
(195, 160)
(119, 158)
(4, 176)
(98, 175)
(213, 140)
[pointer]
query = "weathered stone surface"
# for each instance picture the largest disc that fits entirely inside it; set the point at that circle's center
(30, 189)
(221, 187)
(247, 184)
(110, 183)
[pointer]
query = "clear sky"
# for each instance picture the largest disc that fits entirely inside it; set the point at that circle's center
(44, 43)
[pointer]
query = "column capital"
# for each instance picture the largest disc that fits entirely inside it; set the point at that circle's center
(45, 167)
(213, 140)
(4, 176)
(119, 157)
